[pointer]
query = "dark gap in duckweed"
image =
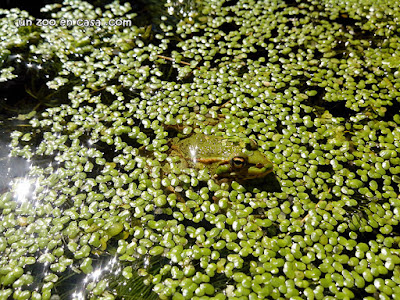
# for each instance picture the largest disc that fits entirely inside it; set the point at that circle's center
(221, 281)
(338, 108)
(229, 3)
(32, 7)
(168, 71)
(360, 293)
(316, 54)
(202, 224)
(15, 101)
(315, 101)
(273, 34)
(344, 19)
(240, 72)
(133, 289)
(102, 3)
(39, 271)
(172, 20)
(279, 126)
(392, 110)
(228, 27)
(272, 230)
(188, 78)
(43, 160)
(217, 58)
(260, 52)
(130, 94)
(106, 97)
(292, 3)
(268, 184)
(30, 84)
(163, 216)
(72, 281)
(396, 232)
(149, 11)
(370, 37)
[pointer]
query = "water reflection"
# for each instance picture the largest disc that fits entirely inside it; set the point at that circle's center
(193, 153)
(108, 266)
(23, 189)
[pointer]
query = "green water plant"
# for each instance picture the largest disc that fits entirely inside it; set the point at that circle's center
(314, 83)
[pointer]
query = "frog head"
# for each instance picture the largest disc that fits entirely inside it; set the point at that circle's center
(249, 163)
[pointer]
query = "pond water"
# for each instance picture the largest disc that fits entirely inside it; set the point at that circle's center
(200, 150)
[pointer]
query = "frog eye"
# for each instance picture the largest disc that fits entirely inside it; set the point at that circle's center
(238, 162)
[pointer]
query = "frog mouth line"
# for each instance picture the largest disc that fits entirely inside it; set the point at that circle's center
(255, 172)
(211, 160)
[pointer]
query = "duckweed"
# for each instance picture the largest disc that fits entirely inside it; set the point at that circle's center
(317, 85)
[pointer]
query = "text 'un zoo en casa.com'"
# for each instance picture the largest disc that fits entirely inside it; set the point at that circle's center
(74, 22)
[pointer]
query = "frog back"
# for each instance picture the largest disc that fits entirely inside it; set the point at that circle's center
(206, 146)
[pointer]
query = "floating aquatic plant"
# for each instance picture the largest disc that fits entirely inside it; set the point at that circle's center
(316, 84)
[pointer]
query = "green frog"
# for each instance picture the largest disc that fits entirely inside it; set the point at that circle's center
(226, 158)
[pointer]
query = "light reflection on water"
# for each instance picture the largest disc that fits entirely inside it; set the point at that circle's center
(193, 153)
(108, 267)
(23, 189)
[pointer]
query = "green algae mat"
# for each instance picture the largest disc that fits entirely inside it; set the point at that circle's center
(220, 150)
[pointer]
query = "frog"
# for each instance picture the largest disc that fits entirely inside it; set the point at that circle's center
(226, 158)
